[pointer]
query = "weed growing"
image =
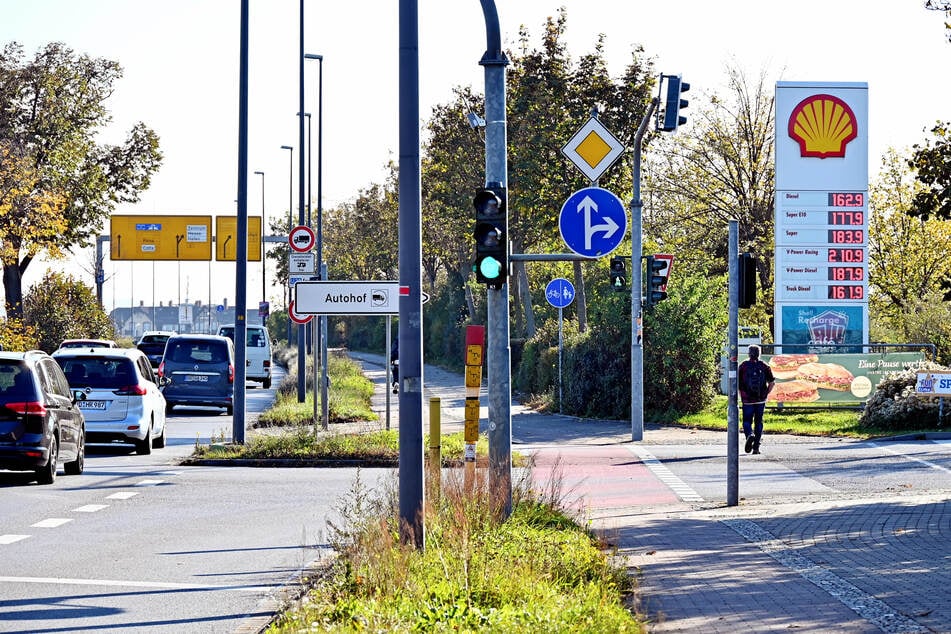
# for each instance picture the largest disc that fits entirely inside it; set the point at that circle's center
(539, 570)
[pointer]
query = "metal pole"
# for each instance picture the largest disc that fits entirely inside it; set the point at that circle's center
(410, 262)
(301, 333)
(310, 329)
(241, 263)
(321, 341)
(290, 225)
(561, 343)
(732, 418)
(263, 250)
(498, 349)
(637, 325)
(388, 365)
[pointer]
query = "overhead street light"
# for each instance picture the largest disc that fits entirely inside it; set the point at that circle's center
(290, 225)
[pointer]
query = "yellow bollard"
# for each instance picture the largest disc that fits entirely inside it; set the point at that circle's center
(435, 447)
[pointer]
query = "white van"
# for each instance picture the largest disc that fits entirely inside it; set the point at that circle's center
(258, 352)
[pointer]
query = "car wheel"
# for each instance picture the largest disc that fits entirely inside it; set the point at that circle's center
(77, 466)
(267, 383)
(144, 447)
(168, 408)
(160, 441)
(47, 474)
(229, 410)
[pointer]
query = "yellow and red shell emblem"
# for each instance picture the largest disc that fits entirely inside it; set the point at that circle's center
(822, 125)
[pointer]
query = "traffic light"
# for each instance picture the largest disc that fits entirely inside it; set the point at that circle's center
(657, 272)
(491, 236)
(673, 104)
(747, 280)
(618, 274)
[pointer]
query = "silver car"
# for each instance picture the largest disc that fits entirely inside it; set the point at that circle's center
(121, 400)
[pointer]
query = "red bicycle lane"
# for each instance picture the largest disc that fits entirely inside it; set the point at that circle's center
(601, 478)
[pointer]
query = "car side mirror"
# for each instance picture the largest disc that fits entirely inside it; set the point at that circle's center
(163, 381)
(78, 395)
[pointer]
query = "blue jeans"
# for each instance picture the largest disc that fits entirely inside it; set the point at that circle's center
(753, 419)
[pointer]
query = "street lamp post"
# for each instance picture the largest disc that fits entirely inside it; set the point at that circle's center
(263, 249)
(322, 320)
(290, 225)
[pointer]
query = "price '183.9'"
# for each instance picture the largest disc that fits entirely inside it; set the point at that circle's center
(846, 236)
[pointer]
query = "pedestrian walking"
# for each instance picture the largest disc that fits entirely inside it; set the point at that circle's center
(755, 380)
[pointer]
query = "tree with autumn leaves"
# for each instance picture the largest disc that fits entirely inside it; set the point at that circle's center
(57, 185)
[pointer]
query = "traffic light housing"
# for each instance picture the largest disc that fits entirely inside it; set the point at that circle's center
(673, 104)
(618, 274)
(657, 272)
(747, 280)
(491, 236)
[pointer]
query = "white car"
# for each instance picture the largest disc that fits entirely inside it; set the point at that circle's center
(122, 401)
(258, 355)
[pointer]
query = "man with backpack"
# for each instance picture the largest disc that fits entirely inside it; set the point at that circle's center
(755, 381)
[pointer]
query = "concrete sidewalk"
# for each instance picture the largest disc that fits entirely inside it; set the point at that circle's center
(824, 565)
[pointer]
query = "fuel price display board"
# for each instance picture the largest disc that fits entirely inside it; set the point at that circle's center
(822, 246)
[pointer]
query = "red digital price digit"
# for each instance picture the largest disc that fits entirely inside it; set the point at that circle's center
(846, 292)
(846, 236)
(846, 255)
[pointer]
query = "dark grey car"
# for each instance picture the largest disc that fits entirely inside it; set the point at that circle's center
(40, 424)
(200, 370)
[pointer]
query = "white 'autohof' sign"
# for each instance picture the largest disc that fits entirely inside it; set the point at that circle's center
(347, 298)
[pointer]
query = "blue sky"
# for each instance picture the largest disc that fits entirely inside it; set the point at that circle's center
(181, 56)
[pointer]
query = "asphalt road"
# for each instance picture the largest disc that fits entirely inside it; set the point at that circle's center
(138, 544)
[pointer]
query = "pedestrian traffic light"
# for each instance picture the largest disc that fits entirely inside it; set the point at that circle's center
(747, 280)
(673, 104)
(657, 272)
(618, 274)
(491, 236)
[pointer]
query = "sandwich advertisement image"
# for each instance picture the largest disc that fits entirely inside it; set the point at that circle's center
(832, 378)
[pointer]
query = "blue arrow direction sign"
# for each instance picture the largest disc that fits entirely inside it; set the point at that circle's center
(593, 222)
(559, 292)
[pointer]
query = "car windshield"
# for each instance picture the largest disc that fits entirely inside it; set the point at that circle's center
(16, 382)
(254, 335)
(197, 352)
(97, 372)
(154, 339)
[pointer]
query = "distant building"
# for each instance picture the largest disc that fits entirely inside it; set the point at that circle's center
(197, 318)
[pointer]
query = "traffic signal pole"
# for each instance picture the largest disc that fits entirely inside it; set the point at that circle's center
(637, 327)
(498, 351)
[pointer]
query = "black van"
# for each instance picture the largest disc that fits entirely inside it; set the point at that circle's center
(200, 370)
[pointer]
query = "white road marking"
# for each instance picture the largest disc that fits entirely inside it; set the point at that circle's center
(132, 584)
(122, 495)
(865, 605)
(665, 475)
(90, 508)
(149, 483)
(9, 539)
(52, 522)
(904, 455)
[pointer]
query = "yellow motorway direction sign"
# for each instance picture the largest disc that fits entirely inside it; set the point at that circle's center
(160, 238)
(226, 238)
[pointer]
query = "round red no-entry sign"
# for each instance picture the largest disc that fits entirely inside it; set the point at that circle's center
(296, 318)
(302, 238)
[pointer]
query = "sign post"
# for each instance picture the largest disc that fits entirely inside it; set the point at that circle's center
(560, 293)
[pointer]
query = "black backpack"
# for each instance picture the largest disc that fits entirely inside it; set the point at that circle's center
(754, 380)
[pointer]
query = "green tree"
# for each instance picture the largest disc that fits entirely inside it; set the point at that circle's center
(941, 5)
(932, 162)
(62, 307)
(718, 167)
(60, 185)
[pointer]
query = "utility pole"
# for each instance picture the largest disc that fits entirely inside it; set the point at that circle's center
(499, 353)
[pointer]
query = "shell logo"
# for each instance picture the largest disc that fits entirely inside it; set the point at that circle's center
(822, 125)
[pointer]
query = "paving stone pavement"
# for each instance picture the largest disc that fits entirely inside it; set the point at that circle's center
(823, 565)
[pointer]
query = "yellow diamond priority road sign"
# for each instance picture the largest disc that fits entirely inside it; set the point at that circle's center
(593, 149)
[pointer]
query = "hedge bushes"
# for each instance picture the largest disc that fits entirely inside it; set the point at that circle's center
(895, 406)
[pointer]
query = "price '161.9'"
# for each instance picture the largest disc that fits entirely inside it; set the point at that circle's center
(846, 292)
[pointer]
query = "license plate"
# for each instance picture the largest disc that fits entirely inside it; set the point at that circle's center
(196, 378)
(91, 404)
